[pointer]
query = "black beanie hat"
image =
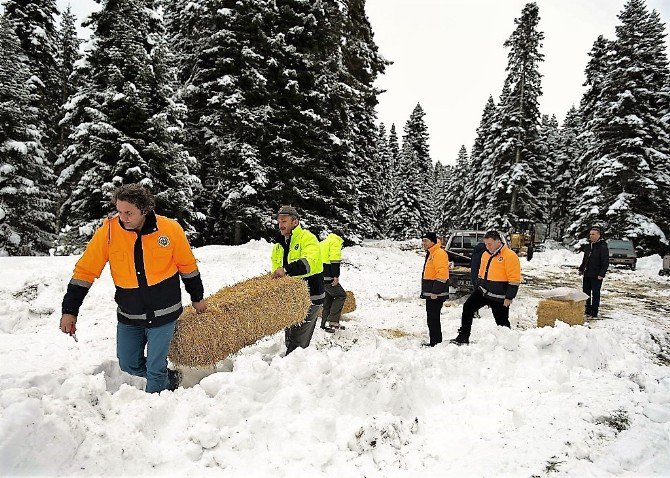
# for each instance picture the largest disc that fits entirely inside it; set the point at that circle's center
(431, 236)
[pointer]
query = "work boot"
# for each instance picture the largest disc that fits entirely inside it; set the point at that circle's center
(461, 339)
(174, 379)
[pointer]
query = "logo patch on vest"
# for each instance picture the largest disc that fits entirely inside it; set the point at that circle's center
(296, 247)
(500, 259)
(163, 241)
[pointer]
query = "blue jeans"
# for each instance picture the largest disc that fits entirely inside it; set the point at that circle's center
(130, 343)
(591, 287)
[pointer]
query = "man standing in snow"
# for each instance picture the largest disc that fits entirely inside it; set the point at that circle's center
(296, 254)
(475, 262)
(147, 254)
(434, 284)
(331, 255)
(497, 285)
(594, 266)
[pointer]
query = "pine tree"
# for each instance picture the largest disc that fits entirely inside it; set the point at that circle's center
(475, 194)
(360, 65)
(384, 162)
(405, 209)
(126, 125)
(597, 68)
(25, 219)
(442, 185)
(34, 24)
(416, 137)
(553, 170)
(68, 55)
(567, 170)
(621, 187)
(453, 200)
(518, 181)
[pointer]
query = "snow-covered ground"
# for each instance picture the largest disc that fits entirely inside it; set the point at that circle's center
(367, 401)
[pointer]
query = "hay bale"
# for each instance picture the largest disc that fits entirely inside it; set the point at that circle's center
(349, 303)
(569, 311)
(238, 316)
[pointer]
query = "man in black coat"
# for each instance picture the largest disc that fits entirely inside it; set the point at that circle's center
(476, 260)
(594, 266)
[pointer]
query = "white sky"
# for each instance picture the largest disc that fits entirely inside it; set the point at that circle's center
(448, 55)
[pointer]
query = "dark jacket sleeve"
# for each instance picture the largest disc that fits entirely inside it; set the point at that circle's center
(604, 260)
(475, 262)
(73, 299)
(335, 269)
(582, 267)
(194, 287)
(296, 268)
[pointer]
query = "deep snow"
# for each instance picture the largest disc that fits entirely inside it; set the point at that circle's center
(367, 401)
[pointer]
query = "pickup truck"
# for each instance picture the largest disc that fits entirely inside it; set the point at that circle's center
(460, 245)
(622, 252)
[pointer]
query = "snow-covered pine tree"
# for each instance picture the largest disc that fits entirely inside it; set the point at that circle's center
(360, 65)
(453, 199)
(26, 220)
(34, 22)
(621, 186)
(415, 134)
(223, 55)
(490, 166)
(443, 178)
(563, 191)
(597, 68)
(475, 191)
(126, 125)
(68, 55)
(384, 162)
(442, 184)
(405, 208)
(518, 178)
(550, 150)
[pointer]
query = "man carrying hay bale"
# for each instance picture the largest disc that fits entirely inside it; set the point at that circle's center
(147, 254)
(497, 285)
(297, 254)
(331, 255)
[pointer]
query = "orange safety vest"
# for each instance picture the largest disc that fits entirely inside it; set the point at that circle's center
(435, 272)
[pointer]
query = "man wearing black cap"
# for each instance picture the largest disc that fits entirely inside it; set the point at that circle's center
(434, 284)
(594, 266)
(297, 254)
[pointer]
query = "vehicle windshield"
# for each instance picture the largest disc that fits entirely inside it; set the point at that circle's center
(615, 244)
(469, 241)
(465, 240)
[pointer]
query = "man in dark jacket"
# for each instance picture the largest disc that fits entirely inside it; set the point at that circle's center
(594, 266)
(475, 262)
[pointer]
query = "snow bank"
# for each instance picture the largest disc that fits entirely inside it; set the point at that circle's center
(367, 401)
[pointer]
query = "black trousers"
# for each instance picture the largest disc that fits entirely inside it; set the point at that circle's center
(433, 309)
(300, 335)
(333, 303)
(475, 302)
(591, 287)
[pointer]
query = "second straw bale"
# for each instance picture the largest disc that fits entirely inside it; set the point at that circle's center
(237, 316)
